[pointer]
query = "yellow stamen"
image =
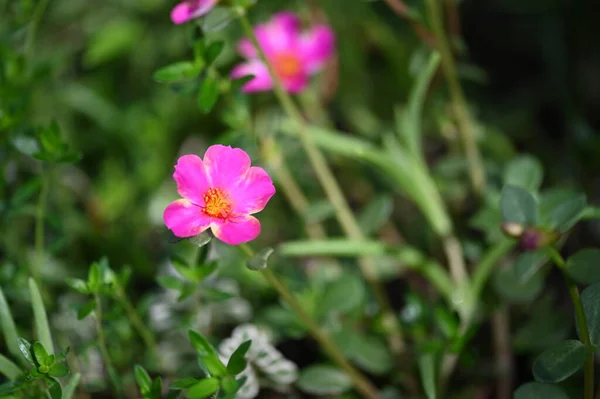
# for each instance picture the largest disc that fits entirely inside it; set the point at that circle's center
(218, 204)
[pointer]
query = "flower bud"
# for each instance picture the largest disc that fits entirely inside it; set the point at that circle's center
(533, 239)
(512, 229)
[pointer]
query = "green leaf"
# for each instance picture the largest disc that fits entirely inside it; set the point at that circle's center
(203, 388)
(201, 239)
(331, 247)
(26, 192)
(518, 206)
(209, 94)
(371, 354)
(184, 383)
(59, 370)
(94, 277)
(237, 362)
(259, 261)
(537, 390)
(529, 263)
(564, 213)
(215, 295)
(207, 354)
(78, 285)
(71, 386)
(524, 171)
(54, 388)
(323, 380)
(560, 361)
(86, 309)
(428, 376)
(25, 349)
(344, 294)
(213, 50)
(584, 266)
(142, 379)
(42, 328)
(40, 353)
(7, 325)
(9, 369)
(170, 282)
(376, 214)
(156, 388)
(515, 289)
(590, 299)
(217, 19)
(410, 124)
(178, 71)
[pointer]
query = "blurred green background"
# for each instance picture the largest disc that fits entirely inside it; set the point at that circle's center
(530, 69)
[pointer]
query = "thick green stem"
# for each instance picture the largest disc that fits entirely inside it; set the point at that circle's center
(361, 383)
(112, 374)
(588, 371)
(334, 194)
(459, 104)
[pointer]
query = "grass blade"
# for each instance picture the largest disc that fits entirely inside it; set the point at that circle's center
(9, 369)
(7, 325)
(41, 320)
(69, 389)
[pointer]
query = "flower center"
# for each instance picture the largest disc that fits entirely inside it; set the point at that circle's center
(286, 65)
(218, 204)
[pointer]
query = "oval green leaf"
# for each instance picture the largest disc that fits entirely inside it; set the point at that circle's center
(524, 171)
(560, 361)
(537, 390)
(517, 205)
(324, 380)
(584, 266)
(515, 289)
(344, 294)
(203, 388)
(565, 213)
(590, 299)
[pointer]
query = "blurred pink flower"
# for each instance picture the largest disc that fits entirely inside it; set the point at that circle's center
(294, 55)
(190, 9)
(220, 191)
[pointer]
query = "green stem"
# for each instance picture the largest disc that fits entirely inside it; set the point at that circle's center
(333, 192)
(112, 374)
(38, 12)
(360, 382)
(459, 104)
(469, 307)
(40, 214)
(138, 324)
(588, 371)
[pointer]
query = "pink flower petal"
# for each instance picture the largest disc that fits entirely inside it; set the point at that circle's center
(236, 230)
(279, 34)
(262, 79)
(316, 47)
(253, 192)
(191, 9)
(226, 166)
(246, 49)
(192, 179)
(297, 83)
(185, 219)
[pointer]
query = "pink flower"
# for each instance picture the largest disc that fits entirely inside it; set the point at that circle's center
(294, 55)
(190, 9)
(220, 191)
